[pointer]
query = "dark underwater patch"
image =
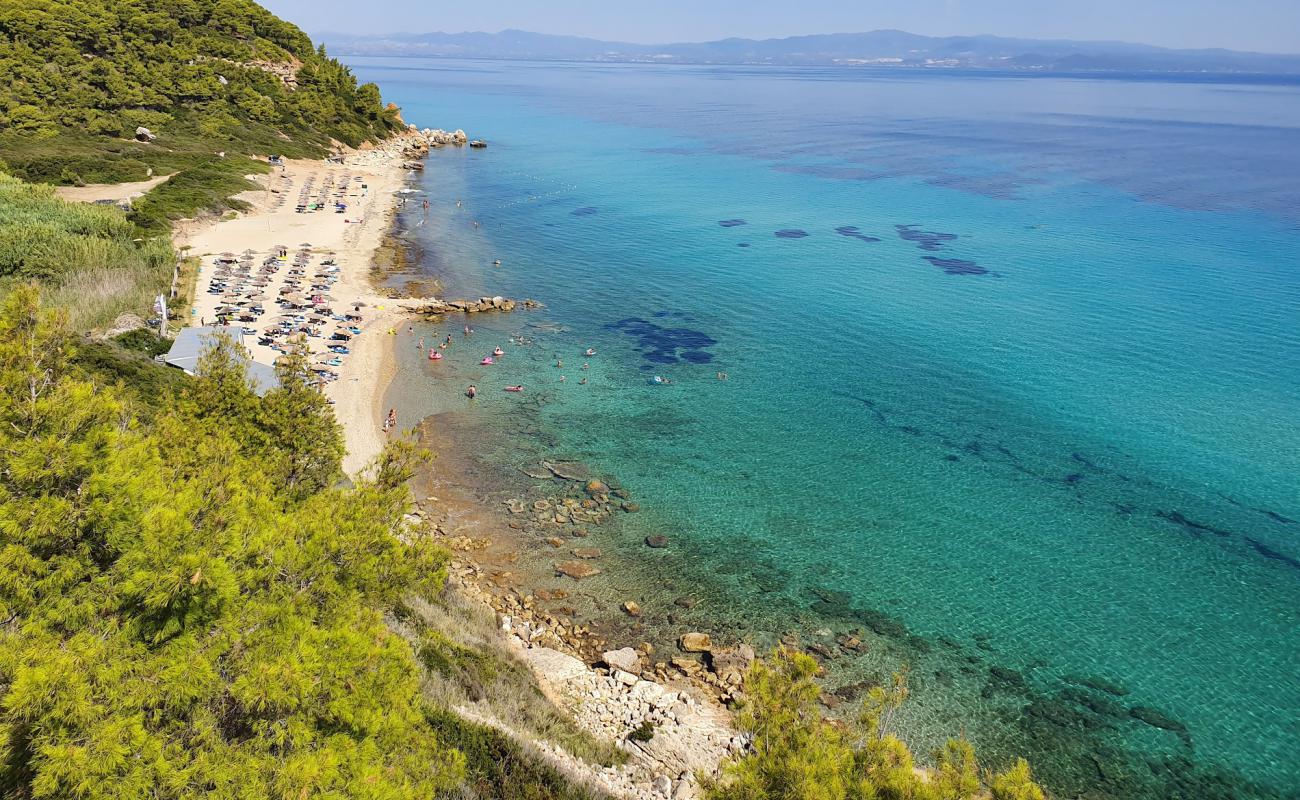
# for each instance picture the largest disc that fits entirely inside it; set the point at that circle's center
(791, 233)
(743, 244)
(661, 345)
(852, 232)
(1271, 554)
(931, 241)
(956, 266)
(732, 223)
(1196, 528)
(1276, 517)
(584, 212)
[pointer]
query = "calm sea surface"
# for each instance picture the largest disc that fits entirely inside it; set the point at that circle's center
(1013, 380)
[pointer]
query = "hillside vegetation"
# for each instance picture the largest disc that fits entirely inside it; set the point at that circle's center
(192, 606)
(92, 259)
(205, 76)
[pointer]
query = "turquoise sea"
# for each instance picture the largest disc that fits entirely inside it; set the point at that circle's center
(1012, 381)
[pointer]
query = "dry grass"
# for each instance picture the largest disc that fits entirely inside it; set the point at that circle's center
(469, 665)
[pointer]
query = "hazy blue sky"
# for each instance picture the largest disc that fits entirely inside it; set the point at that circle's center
(1267, 25)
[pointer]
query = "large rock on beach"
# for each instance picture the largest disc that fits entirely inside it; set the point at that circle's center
(577, 569)
(625, 658)
(731, 663)
(695, 642)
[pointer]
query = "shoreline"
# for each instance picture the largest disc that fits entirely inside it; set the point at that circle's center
(369, 180)
(695, 731)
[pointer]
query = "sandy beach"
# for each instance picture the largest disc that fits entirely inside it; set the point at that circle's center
(367, 182)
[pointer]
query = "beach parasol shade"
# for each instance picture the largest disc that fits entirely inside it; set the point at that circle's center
(227, 255)
(305, 244)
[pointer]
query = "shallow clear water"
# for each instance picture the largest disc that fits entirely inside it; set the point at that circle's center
(1060, 443)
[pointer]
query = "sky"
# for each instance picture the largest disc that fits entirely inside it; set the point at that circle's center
(1263, 25)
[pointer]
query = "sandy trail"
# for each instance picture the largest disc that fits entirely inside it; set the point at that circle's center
(97, 192)
(369, 182)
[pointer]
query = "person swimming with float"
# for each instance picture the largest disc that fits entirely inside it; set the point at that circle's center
(518, 388)
(591, 351)
(434, 355)
(498, 352)
(487, 361)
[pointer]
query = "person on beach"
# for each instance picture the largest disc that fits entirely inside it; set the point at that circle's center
(471, 392)
(391, 422)
(420, 346)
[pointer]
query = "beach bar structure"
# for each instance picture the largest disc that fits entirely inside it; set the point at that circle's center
(190, 343)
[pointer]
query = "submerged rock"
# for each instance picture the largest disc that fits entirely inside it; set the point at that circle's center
(569, 470)
(695, 642)
(576, 569)
(656, 541)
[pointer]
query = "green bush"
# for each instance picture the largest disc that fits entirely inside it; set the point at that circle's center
(182, 620)
(91, 258)
(796, 754)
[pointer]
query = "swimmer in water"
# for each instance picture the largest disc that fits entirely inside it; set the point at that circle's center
(471, 392)
(448, 338)
(585, 365)
(559, 364)
(590, 352)
(583, 382)
(562, 379)
(467, 330)
(421, 344)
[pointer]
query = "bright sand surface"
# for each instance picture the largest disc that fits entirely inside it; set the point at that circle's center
(96, 192)
(352, 237)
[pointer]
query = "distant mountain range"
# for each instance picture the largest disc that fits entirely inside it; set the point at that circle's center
(877, 48)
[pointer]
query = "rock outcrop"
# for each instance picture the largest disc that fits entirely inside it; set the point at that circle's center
(483, 304)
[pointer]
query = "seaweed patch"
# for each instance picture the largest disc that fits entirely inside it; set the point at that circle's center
(732, 223)
(791, 233)
(931, 241)
(852, 232)
(956, 266)
(660, 345)
(1195, 527)
(1271, 554)
(584, 212)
